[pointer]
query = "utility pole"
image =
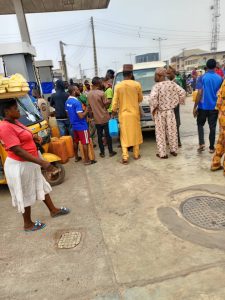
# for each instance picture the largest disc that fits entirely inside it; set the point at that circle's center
(131, 54)
(183, 57)
(159, 39)
(81, 73)
(216, 25)
(94, 47)
(116, 64)
(61, 45)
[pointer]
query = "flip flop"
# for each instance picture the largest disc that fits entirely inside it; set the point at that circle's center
(163, 157)
(112, 154)
(201, 148)
(173, 153)
(124, 162)
(63, 211)
(218, 169)
(37, 226)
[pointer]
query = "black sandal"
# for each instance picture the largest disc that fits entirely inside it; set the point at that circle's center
(201, 148)
(173, 153)
(163, 157)
(78, 159)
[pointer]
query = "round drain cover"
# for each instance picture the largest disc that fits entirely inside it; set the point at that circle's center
(69, 240)
(204, 211)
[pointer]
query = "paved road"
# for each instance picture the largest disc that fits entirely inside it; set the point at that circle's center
(126, 252)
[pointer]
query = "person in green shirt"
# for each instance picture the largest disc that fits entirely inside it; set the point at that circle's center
(108, 92)
(178, 79)
(82, 98)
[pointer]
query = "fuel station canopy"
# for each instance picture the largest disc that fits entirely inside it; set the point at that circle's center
(41, 6)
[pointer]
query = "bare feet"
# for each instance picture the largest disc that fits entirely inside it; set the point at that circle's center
(137, 158)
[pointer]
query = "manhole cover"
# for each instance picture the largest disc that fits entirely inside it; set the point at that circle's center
(69, 240)
(206, 212)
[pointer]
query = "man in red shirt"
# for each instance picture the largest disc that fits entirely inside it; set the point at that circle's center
(219, 71)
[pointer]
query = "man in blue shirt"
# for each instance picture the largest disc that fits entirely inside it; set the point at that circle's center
(204, 108)
(78, 121)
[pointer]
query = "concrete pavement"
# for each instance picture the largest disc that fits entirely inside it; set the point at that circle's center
(126, 251)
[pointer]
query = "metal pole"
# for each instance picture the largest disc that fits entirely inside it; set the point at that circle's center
(216, 26)
(61, 44)
(183, 58)
(81, 73)
(115, 62)
(94, 47)
(160, 49)
(131, 54)
(159, 39)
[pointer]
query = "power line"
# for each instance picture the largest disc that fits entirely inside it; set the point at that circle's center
(112, 23)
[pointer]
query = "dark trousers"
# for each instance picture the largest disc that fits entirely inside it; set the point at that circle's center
(211, 116)
(194, 82)
(101, 129)
(177, 116)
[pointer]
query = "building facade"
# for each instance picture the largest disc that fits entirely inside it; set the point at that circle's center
(148, 57)
(195, 58)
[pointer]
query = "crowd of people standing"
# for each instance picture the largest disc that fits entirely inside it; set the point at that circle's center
(98, 103)
(80, 109)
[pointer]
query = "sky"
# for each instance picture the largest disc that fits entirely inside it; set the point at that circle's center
(127, 28)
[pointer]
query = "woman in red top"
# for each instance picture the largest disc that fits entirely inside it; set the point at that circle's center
(23, 166)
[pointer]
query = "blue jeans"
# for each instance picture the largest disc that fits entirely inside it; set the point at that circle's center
(65, 127)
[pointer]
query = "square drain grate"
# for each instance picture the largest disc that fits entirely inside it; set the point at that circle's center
(69, 240)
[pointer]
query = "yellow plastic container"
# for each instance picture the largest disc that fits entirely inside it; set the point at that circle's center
(91, 152)
(69, 145)
(58, 147)
(55, 132)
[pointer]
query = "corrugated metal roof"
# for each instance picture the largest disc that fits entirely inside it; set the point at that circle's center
(41, 6)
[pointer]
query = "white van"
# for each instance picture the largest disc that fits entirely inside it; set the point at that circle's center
(145, 74)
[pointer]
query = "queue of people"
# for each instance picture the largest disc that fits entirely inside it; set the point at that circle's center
(75, 108)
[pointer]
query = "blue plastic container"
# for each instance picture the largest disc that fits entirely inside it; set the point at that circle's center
(113, 128)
